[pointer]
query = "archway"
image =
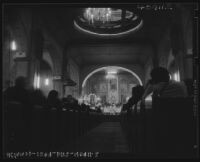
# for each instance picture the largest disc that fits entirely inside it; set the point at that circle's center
(107, 67)
(110, 84)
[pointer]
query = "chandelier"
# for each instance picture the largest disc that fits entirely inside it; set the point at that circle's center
(108, 21)
(96, 15)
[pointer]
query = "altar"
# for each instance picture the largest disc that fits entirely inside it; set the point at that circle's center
(111, 110)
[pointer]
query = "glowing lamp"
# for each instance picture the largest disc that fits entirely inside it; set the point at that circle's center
(46, 82)
(13, 46)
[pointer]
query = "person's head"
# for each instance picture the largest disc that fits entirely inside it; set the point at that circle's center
(53, 94)
(137, 92)
(70, 99)
(20, 82)
(137, 89)
(189, 84)
(159, 74)
(64, 99)
(134, 91)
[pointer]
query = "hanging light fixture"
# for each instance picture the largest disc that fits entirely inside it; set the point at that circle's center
(95, 15)
(108, 21)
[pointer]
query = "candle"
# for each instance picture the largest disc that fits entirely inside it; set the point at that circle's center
(107, 16)
(92, 18)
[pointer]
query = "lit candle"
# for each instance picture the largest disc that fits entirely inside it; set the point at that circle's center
(87, 13)
(107, 16)
(38, 81)
(92, 18)
(103, 19)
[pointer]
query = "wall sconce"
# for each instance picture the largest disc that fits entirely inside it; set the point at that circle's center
(46, 82)
(13, 46)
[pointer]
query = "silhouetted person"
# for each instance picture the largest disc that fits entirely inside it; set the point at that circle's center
(69, 99)
(161, 85)
(84, 107)
(18, 97)
(71, 103)
(18, 93)
(189, 84)
(38, 98)
(76, 106)
(53, 101)
(137, 93)
(169, 121)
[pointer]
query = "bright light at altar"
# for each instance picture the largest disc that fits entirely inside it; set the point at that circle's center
(111, 73)
(110, 76)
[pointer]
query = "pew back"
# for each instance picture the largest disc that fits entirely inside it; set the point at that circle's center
(173, 124)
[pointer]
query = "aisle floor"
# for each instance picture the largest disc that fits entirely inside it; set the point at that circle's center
(108, 137)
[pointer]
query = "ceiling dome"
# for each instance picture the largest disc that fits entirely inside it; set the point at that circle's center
(107, 21)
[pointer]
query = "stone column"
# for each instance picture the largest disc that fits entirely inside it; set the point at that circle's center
(35, 48)
(36, 51)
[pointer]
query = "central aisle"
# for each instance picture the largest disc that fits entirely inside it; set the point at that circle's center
(108, 137)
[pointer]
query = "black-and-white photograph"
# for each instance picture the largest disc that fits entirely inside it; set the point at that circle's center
(100, 80)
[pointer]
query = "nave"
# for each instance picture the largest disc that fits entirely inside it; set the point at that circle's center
(93, 82)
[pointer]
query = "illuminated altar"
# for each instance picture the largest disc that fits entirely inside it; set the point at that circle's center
(108, 89)
(112, 109)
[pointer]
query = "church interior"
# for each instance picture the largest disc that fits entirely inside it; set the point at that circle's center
(89, 58)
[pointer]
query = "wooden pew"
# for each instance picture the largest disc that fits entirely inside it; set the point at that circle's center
(173, 125)
(16, 134)
(40, 128)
